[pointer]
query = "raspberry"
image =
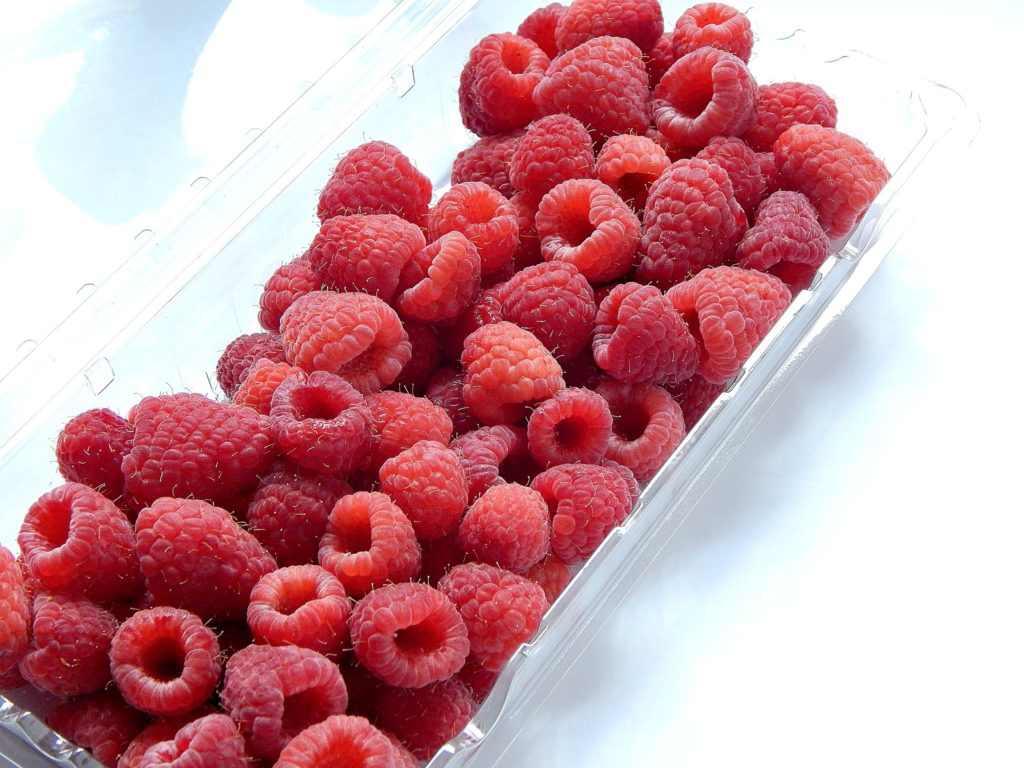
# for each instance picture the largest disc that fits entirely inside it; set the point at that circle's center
(839, 174)
(67, 655)
(507, 369)
(528, 252)
(340, 741)
(353, 335)
(484, 216)
(637, 20)
(660, 58)
(489, 454)
(188, 445)
(488, 161)
(439, 555)
(258, 387)
(427, 482)
(716, 25)
(301, 605)
(574, 425)
(165, 661)
(163, 729)
(445, 391)
(321, 422)
(602, 83)
(554, 149)
(402, 420)
(742, 166)
(212, 741)
(540, 26)
(90, 450)
(782, 105)
(692, 221)
(555, 303)
(289, 282)
(239, 356)
(15, 613)
(369, 541)
(730, 311)
(426, 359)
(274, 692)
(376, 178)
(195, 556)
(486, 309)
(796, 277)
(77, 542)
(551, 575)
(507, 526)
(587, 501)
(502, 610)
(695, 396)
(640, 338)
(627, 475)
(101, 723)
(288, 513)
(497, 84)
(408, 635)
(441, 281)
(425, 718)
(786, 230)
(629, 165)
(648, 426)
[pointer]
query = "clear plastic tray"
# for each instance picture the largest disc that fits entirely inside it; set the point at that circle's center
(159, 324)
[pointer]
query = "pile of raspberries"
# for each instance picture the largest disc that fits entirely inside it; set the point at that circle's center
(449, 408)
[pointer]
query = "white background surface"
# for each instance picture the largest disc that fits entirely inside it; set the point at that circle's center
(849, 591)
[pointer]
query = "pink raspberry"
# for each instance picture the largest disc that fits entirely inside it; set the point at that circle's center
(497, 84)
(425, 718)
(425, 361)
(695, 396)
(427, 482)
(629, 165)
(165, 661)
(101, 723)
(602, 83)
(627, 475)
(660, 58)
(637, 20)
(540, 27)
(574, 425)
(364, 253)
(445, 391)
(551, 575)
(239, 356)
(289, 281)
(490, 454)
(716, 25)
(780, 106)
(742, 166)
(195, 556)
(839, 174)
(353, 335)
(274, 692)
(75, 541)
(440, 281)
(90, 449)
(786, 230)
(730, 310)
(369, 541)
(484, 216)
(507, 526)
(258, 387)
(408, 635)
(488, 161)
(163, 729)
(300, 605)
(339, 738)
(648, 426)
(376, 178)
(401, 420)
(554, 149)
(212, 741)
(15, 613)
(485, 310)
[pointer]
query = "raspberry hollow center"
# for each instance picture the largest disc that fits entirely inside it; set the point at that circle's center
(422, 638)
(571, 432)
(164, 659)
(314, 404)
(294, 595)
(56, 526)
(692, 101)
(356, 532)
(632, 424)
(514, 58)
(303, 709)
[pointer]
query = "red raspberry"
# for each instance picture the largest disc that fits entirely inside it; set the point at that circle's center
(408, 635)
(551, 575)
(602, 83)
(15, 613)
(402, 420)
(648, 426)
(786, 229)
(839, 174)
(742, 166)
(301, 605)
(555, 303)
(583, 222)
(427, 482)
(289, 282)
(165, 661)
(640, 338)
(497, 84)
(445, 391)
(67, 655)
(486, 309)
(629, 165)
(488, 161)
(507, 526)
(627, 475)
(730, 310)
(163, 729)
(425, 718)
(101, 723)
(353, 335)
(258, 387)
(695, 396)
(188, 445)
(340, 741)
(540, 26)
(782, 105)
(376, 178)
(439, 555)
(502, 610)
(212, 741)
(274, 692)
(75, 541)
(90, 450)
(574, 425)
(692, 221)
(528, 252)
(369, 541)
(716, 25)
(425, 361)
(239, 356)
(660, 58)
(484, 216)
(636, 20)
(440, 281)
(554, 149)
(507, 369)
(796, 277)
(489, 454)
(195, 556)
(288, 513)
